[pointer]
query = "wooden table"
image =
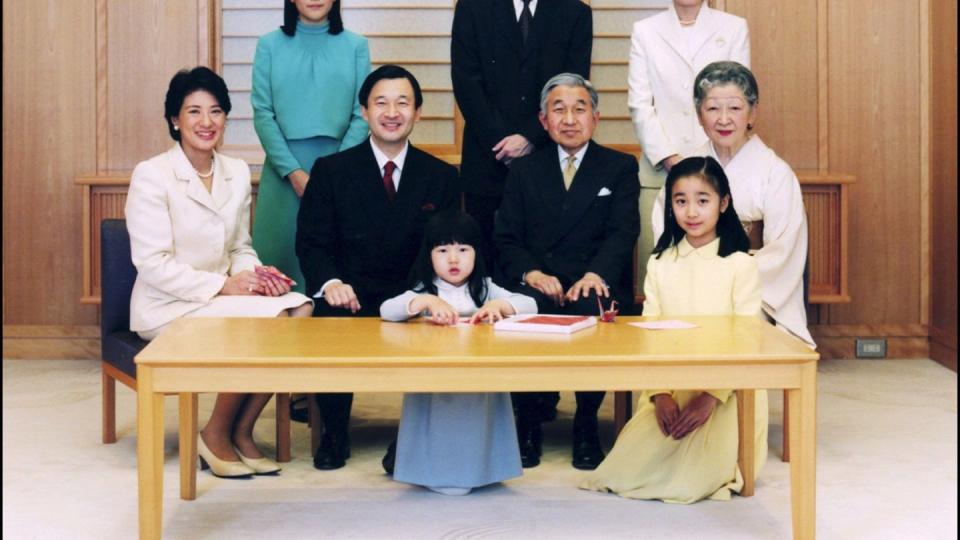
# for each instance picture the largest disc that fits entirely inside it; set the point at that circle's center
(367, 355)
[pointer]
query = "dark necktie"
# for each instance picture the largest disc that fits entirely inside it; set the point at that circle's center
(526, 19)
(388, 179)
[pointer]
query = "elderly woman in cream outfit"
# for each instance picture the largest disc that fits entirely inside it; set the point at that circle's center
(766, 192)
(188, 214)
(666, 52)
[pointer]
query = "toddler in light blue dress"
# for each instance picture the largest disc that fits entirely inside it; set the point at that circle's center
(452, 443)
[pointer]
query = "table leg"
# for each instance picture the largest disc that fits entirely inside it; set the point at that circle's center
(746, 451)
(149, 454)
(803, 443)
(188, 446)
(315, 423)
(283, 427)
(785, 456)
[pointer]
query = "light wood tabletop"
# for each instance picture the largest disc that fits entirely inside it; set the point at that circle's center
(367, 355)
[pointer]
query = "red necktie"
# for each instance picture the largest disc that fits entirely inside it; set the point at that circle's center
(388, 179)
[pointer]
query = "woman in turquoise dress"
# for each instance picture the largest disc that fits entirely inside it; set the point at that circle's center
(306, 76)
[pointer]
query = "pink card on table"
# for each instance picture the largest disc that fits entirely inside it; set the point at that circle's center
(671, 324)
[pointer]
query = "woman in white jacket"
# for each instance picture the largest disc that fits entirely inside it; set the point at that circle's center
(666, 53)
(188, 214)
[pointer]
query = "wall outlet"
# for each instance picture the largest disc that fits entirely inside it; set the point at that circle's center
(871, 348)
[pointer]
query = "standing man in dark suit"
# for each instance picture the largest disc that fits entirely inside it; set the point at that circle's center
(361, 221)
(566, 231)
(501, 54)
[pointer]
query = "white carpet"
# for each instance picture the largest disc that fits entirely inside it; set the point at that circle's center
(887, 468)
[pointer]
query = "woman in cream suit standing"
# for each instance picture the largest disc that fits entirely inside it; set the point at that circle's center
(188, 214)
(666, 53)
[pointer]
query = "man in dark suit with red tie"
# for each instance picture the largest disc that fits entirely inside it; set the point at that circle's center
(361, 222)
(565, 233)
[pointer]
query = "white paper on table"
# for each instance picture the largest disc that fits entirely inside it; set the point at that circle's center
(671, 324)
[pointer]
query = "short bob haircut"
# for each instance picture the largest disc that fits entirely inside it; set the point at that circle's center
(568, 79)
(729, 230)
(722, 74)
(187, 82)
(450, 228)
(291, 16)
(389, 71)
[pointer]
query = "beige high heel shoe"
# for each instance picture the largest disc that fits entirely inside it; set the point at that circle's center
(219, 467)
(261, 466)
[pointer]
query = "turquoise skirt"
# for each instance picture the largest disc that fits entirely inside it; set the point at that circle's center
(275, 219)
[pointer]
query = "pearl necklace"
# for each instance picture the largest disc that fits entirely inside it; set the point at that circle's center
(208, 173)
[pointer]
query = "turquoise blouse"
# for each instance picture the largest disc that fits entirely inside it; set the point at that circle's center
(306, 86)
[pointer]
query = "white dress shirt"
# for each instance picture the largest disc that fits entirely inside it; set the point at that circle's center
(518, 7)
(577, 158)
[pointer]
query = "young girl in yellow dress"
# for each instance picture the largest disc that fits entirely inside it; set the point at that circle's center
(681, 446)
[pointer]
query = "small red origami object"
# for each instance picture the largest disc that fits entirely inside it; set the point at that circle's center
(610, 314)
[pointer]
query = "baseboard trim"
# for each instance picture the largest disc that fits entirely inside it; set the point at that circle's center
(23, 341)
(836, 348)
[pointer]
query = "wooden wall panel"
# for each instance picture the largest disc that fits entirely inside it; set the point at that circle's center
(147, 42)
(783, 57)
(943, 181)
(874, 118)
(48, 137)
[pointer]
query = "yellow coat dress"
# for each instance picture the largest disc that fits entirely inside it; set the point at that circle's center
(646, 464)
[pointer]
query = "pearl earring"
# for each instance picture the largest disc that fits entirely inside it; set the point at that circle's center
(176, 128)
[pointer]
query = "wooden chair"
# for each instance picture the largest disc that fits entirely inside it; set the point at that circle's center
(119, 346)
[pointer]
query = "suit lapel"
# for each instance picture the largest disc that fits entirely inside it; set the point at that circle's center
(672, 34)
(550, 185)
(507, 24)
(705, 29)
(412, 187)
(221, 188)
(185, 173)
(368, 183)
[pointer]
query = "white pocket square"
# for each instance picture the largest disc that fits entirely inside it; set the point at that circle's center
(604, 192)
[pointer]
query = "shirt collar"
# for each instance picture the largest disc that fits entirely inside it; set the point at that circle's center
(382, 158)
(518, 7)
(708, 251)
(444, 286)
(577, 158)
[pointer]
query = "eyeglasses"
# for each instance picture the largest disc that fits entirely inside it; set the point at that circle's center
(610, 314)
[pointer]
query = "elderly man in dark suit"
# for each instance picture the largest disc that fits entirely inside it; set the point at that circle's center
(501, 54)
(566, 231)
(361, 222)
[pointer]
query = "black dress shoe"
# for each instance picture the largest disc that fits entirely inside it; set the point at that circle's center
(390, 458)
(531, 445)
(587, 453)
(332, 453)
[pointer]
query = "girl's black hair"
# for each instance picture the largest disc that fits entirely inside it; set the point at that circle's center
(445, 229)
(729, 230)
(291, 16)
